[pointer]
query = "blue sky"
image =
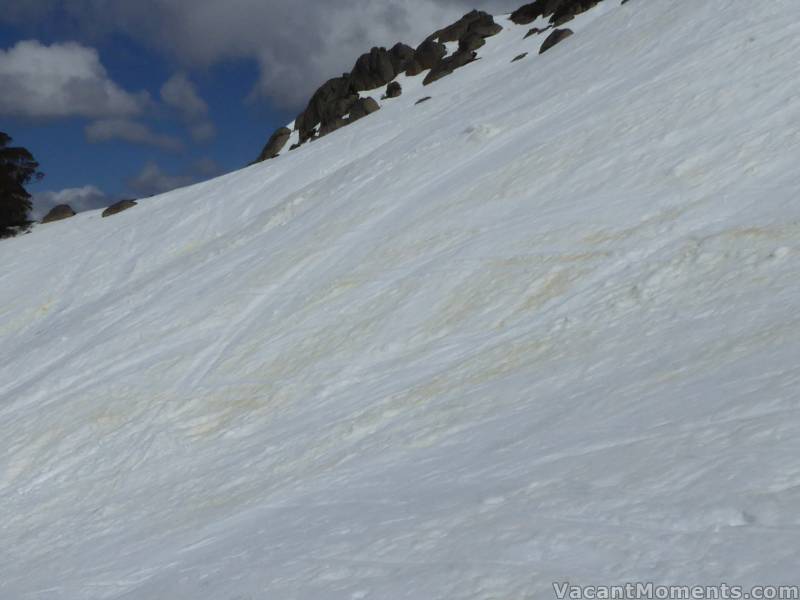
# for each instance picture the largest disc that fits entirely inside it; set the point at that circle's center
(69, 160)
(117, 98)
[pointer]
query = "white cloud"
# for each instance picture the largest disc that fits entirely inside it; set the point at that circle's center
(130, 131)
(152, 180)
(80, 199)
(180, 94)
(202, 131)
(61, 80)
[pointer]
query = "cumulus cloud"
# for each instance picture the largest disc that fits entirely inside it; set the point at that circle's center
(202, 131)
(296, 43)
(180, 94)
(152, 180)
(107, 130)
(80, 199)
(60, 80)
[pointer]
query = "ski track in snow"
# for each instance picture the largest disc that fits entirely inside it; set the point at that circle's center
(542, 327)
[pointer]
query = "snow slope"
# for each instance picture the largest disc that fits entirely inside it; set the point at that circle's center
(543, 327)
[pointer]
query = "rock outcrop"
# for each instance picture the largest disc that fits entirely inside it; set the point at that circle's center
(477, 22)
(401, 56)
(428, 54)
(469, 42)
(59, 213)
(393, 90)
(362, 108)
(414, 68)
(330, 102)
(337, 103)
(275, 144)
(569, 10)
(372, 70)
(332, 125)
(470, 31)
(528, 13)
(554, 38)
(449, 64)
(329, 106)
(559, 11)
(118, 207)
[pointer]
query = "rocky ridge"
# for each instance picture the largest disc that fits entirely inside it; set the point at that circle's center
(337, 102)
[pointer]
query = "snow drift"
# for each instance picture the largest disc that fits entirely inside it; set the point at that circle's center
(542, 327)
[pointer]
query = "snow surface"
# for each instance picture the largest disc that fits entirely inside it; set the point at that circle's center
(543, 327)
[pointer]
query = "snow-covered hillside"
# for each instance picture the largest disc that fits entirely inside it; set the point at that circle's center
(542, 327)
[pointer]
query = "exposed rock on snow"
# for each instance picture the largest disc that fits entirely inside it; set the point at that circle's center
(528, 13)
(330, 105)
(559, 11)
(470, 41)
(477, 22)
(556, 37)
(59, 213)
(332, 101)
(333, 124)
(373, 70)
(449, 64)
(568, 10)
(415, 68)
(401, 56)
(428, 54)
(275, 144)
(119, 207)
(363, 107)
(393, 90)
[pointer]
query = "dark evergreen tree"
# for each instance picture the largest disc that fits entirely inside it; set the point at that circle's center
(17, 169)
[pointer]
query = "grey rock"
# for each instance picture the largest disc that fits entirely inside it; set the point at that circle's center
(528, 13)
(331, 101)
(476, 21)
(569, 9)
(559, 11)
(454, 32)
(447, 65)
(59, 213)
(558, 36)
(275, 144)
(471, 41)
(393, 90)
(332, 125)
(118, 207)
(401, 56)
(372, 70)
(414, 68)
(485, 28)
(364, 107)
(429, 53)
